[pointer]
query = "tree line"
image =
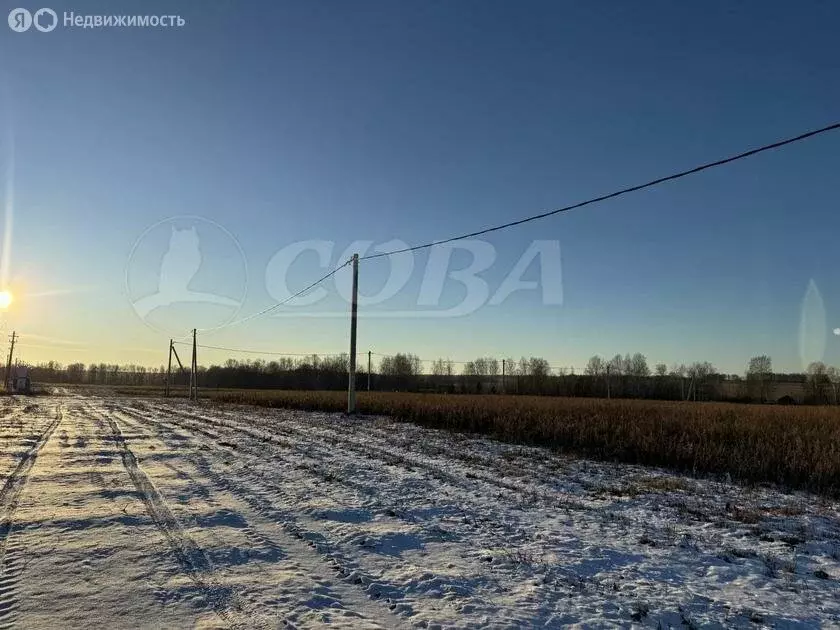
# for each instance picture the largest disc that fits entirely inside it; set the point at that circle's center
(622, 376)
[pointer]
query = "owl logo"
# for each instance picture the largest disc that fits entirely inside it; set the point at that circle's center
(177, 274)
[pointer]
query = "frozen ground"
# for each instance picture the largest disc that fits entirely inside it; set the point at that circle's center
(130, 513)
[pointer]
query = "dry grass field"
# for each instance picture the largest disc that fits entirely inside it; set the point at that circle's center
(798, 447)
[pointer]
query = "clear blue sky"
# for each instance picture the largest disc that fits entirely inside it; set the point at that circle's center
(285, 121)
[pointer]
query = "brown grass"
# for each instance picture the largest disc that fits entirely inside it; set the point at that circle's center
(797, 447)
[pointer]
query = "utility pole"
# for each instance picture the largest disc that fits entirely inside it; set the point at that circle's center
(193, 374)
(169, 370)
(368, 370)
(503, 375)
(354, 307)
(608, 381)
(178, 359)
(9, 362)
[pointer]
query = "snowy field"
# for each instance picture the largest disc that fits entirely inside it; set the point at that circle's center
(144, 513)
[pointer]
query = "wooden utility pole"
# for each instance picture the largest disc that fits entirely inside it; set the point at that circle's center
(608, 381)
(178, 359)
(169, 371)
(9, 362)
(503, 377)
(368, 370)
(193, 373)
(354, 307)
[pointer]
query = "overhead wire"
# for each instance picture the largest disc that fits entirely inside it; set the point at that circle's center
(612, 195)
(278, 304)
(267, 352)
(594, 200)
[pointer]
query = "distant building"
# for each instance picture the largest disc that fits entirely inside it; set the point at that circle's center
(20, 379)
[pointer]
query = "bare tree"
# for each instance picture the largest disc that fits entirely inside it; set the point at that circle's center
(441, 367)
(596, 366)
(539, 367)
(833, 375)
(637, 365)
(759, 371)
(661, 369)
(485, 366)
(680, 371)
(400, 365)
(818, 379)
(699, 371)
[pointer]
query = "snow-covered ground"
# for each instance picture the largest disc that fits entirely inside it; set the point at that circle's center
(146, 513)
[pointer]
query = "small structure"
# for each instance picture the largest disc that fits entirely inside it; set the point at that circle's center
(20, 381)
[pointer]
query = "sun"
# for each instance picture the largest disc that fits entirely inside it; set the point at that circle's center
(5, 299)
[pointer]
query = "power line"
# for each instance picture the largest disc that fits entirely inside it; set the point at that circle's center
(618, 193)
(52, 347)
(594, 200)
(278, 304)
(283, 354)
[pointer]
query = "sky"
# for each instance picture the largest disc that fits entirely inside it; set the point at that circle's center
(191, 162)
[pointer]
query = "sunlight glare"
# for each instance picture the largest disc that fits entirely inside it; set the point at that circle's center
(5, 299)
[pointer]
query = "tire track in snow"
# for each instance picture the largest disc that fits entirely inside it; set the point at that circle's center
(551, 588)
(255, 538)
(192, 558)
(262, 496)
(310, 550)
(458, 487)
(318, 459)
(11, 565)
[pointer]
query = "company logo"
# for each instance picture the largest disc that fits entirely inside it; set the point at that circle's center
(456, 279)
(44, 20)
(20, 20)
(186, 272)
(190, 272)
